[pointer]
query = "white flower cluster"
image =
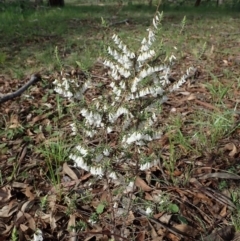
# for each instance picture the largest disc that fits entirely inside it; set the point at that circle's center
(183, 79)
(139, 139)
(66, 87)
(94, 167)
(93, 119)
(148, 165)
(120, 111)
(63, 88)
(38, 235)
(124, 59)
(146, 52)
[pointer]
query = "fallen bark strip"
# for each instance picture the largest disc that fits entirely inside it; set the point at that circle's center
(34, 78)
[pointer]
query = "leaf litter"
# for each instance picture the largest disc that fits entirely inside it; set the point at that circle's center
(65, 211)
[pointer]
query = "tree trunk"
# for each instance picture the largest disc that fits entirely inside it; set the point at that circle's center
(219, 2)
(197, 3)
(38, 2)
(56, 3)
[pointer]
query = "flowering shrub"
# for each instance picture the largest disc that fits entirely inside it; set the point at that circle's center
(119, 124)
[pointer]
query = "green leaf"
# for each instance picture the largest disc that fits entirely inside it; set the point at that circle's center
(79, 64)
(2, 145)
(182, 219)
(173, 208)
(100, 208)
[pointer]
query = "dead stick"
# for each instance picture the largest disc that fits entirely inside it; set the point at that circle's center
(34, 78)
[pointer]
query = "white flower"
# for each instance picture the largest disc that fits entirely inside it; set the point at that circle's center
(115, 75)
(79, 162)
(151, 36)
(65, 83)
(146, 55)
(73, 128)
(171, 58)
(155, 23)
(56, 82)
(154, 117)
(113, 175)
(94, 119)
(115, 205)
(92, 221)
(90, 133)
(112, 84)
(148, 165)
(144, 41)
(122, 85)
(145, 166)
(109, 129)
(98, 171)
(182, 80)
(106, 152)
(149, 211)
(129, 188)
(134, 84)
(136, 137)
(82, 150)
(120, 111)
(143, 74)
(37, 236)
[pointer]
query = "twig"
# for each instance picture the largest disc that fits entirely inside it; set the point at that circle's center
(173, 230)
(228, 34)
(34, 78)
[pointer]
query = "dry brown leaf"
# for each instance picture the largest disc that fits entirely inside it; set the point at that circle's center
(5, 193)
(173, 237)
(186, 229)
(232, 148)
(39, 117)
(52, 201)
(223, 212)
(52, 220)
(165, 218)
(20, 218)
(14, 123)
(225, 62)
(30, 221)
(191, 97)
(105, 196)
(26, 206)
(7, 228)
(159, 238)
(19, 185)
(222, 175)
(67, 170)
(153, 231)
(6, 211)
(85, 177)
(23, 227)
(29, 194)
(148, 196)
(176, 173)
(40, 138)
(158, 215)
(141, 236)
(139, 182)
(130, 218)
